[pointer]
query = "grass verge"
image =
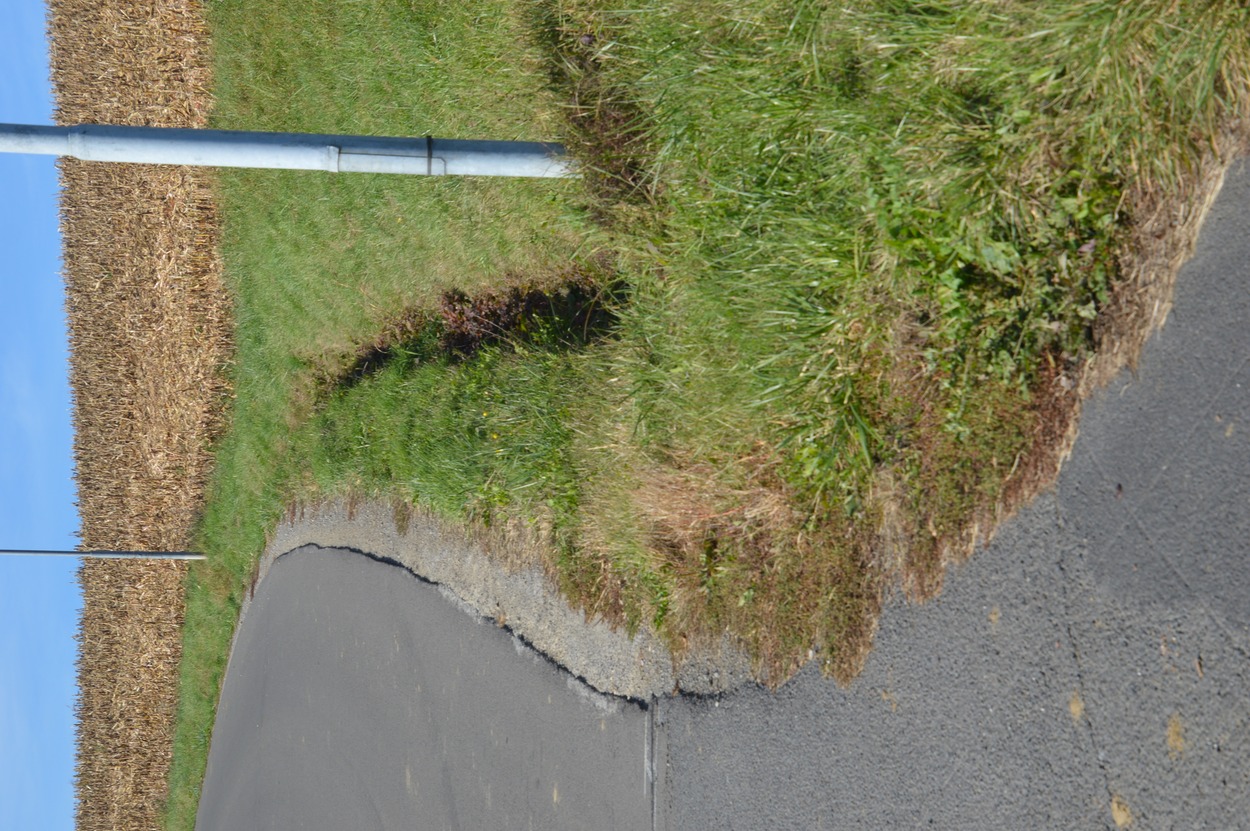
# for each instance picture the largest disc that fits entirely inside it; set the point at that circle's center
(858, 259)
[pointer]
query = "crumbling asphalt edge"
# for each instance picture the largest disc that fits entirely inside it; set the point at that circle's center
(609, 660)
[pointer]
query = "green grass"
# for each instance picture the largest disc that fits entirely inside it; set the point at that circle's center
(318, 263)
(862, 242)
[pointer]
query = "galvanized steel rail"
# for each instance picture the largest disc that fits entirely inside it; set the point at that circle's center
(289, 151)
(111, 555)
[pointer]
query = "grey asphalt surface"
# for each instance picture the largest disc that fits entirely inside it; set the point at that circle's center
(359, 697)
(1088, 669)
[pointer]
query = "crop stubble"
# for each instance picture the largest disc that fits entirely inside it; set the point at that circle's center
(149, 328)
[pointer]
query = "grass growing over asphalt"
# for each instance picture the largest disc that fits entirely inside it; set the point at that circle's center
(868, 249)
(887, 234)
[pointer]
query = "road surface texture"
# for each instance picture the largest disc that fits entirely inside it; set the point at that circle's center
(359, 697)
(1088, 669)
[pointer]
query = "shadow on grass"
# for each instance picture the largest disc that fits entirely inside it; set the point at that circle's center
(608, 130)
(579, 309)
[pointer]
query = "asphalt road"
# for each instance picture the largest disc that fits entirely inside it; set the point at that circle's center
(359, 697)
(1089, 669)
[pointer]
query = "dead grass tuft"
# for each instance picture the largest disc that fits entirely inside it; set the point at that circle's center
(1165, 226)
(741, 555)
(149, 333)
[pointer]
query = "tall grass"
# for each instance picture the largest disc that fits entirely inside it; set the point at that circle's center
(869, 248)
(889, 230)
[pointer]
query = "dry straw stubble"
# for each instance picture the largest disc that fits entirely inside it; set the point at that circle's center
(149, 333)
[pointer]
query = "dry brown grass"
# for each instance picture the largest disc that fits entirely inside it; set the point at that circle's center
(149, 334)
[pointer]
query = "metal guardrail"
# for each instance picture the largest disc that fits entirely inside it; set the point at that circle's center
(110, 555)
(289, 151)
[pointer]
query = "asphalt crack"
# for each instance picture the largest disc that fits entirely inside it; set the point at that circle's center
(1084, 716)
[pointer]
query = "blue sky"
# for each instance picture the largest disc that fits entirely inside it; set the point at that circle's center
(39, 599)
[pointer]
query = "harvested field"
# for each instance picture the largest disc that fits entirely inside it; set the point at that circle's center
(149, 334)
